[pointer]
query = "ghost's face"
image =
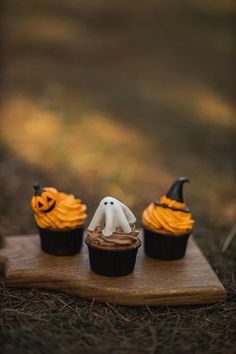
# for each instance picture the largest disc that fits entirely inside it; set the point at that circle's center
(112, 213)
(109, 207)
(109, 203)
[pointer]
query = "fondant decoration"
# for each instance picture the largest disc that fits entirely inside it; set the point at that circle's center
(174, 198)
(44, 199)
(57, 210)
(176, 190)
(112, 214)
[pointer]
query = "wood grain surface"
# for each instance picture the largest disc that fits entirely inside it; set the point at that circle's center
(190, 280)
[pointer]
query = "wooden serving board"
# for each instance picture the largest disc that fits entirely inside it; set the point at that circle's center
(190, 280)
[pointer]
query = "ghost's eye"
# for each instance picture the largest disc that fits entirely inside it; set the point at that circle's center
(105, 203)
(111, 202)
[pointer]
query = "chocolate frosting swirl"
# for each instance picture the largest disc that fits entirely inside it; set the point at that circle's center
(118, 239)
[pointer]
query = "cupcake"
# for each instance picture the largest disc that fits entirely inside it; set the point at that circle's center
(167, 224)
(112, 239)
(60, 218)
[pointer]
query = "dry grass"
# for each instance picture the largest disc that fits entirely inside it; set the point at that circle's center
(35, 321)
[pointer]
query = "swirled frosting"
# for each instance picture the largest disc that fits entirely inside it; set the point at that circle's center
(167, 217)
(118, 239)
(68, 212)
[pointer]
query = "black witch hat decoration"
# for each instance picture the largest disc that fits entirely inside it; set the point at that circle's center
(176, 190)
(38, 190)
(176, 193)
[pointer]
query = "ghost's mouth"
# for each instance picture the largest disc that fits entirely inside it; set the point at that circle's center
(49, 209)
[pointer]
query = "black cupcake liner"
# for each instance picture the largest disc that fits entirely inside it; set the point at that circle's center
(61, 242)
(164, 246)
(112, 262)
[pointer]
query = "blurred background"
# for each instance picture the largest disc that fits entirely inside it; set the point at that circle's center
(118, 98)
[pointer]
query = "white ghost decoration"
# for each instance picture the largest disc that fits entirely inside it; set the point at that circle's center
(112, 213)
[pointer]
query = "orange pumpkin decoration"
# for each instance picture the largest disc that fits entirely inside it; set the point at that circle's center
(44, 199)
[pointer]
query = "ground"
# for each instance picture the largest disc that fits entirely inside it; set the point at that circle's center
(119, 98)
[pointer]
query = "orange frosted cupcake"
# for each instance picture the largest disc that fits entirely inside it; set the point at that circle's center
(167, 224)
(60, 220)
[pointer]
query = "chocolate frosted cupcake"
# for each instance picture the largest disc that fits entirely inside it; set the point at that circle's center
(60, 218)
(167, 224)
(112, 239)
